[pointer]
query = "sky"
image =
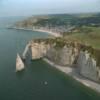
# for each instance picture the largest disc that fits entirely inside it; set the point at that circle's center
(35, 7)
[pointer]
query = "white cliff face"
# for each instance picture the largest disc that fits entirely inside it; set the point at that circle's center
(36, 53)
(52, 54)
(87, 66)
(66, 56)
(99, 73)
(39, 50)
(82, 60)
(63, 56)
(91, 66)
(26, 50)
(19, 63)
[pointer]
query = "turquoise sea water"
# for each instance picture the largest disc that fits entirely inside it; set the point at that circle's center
(30, 83)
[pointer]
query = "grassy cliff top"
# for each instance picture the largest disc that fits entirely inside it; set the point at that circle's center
(74, 41)
(86, 35)
(89, 36)
(86, 32)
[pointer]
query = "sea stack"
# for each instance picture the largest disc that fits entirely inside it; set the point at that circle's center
(19, 64)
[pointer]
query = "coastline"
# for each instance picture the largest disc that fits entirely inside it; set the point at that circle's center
(73, 73)
(49, 32)
(39, 30)
(67, 70)
(19, 28)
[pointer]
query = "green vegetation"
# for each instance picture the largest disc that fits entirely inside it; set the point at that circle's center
(72, 41)
(56, 20)
(48, 20)
(61, 20)
(86, 35)
(86, 31)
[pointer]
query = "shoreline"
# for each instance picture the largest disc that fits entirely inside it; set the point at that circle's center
(73, 73)
(49, 32)
(67, 70)
(19, 28)
(39, 30)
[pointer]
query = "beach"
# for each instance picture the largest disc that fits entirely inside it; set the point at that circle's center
(48, 32)
(39, 30)
(73, 73)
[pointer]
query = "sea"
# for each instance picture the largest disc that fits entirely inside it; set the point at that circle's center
(39, 80)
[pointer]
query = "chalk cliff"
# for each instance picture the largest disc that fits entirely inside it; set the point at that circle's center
(39, 50)
(62, 56)
(67, 55)
(88, 66)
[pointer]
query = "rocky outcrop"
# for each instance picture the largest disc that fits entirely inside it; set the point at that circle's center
(88, 66)
(19, 64)
(66, 55)
(39, 50)
(62, 56)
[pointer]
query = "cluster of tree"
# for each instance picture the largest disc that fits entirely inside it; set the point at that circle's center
(62, 20)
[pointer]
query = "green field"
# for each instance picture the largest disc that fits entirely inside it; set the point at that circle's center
(86, 35)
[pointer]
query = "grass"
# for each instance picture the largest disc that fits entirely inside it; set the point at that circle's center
(90, 36)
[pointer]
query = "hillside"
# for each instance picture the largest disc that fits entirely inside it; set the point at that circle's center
(87, 35)
(61, 20)
(83, 27)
